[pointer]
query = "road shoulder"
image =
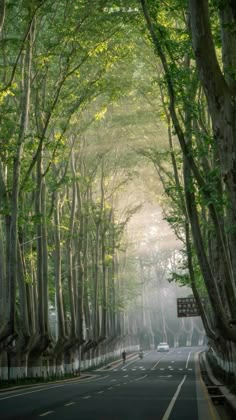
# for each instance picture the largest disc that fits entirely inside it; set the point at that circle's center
(206, 409)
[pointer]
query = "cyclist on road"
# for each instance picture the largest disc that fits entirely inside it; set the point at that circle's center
(124, 356)
(141, 353)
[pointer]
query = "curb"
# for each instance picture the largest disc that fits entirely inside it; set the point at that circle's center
(229, 397)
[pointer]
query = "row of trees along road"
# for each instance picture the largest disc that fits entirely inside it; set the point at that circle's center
(58, 233)
(195, 42)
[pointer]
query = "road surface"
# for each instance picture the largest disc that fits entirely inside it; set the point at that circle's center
(161, 386)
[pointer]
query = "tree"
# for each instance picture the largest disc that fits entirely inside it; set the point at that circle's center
(212, 224)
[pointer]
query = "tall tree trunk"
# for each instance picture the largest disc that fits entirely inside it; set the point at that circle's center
(221, 97)
(3, 285)
(12, 263)
(81, 251)
(96, 318)
(60, 316)
(71, 290)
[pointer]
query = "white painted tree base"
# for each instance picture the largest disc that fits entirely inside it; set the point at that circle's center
(60, 370)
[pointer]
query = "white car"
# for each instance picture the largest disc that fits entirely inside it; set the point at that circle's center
(163, 347)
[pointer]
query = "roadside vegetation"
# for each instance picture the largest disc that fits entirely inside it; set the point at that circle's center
(95, 97)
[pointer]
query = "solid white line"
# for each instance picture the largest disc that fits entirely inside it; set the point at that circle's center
(142, 377)
(47, 388)
(172, 403)
(71, 403)
(45, 414)
(30, 392)
(188, 359)
(87, 380)
(90, 380)
(127, 364)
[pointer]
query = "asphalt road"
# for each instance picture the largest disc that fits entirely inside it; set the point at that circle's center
(161, 386)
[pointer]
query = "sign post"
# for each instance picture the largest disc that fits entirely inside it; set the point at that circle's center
(187, 307)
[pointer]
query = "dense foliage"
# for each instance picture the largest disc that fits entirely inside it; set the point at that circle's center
(66, 66)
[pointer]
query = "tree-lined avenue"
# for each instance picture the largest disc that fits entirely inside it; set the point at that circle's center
(160, 386)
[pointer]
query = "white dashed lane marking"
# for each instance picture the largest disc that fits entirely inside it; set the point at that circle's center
(45, 414)
(88, 396)
(71, 403)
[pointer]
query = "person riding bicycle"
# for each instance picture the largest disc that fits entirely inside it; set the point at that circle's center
(141, 354)
(124, 356)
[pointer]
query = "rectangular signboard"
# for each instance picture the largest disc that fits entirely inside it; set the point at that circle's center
(187, 307)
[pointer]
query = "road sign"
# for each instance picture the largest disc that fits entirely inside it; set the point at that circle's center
(187, 307)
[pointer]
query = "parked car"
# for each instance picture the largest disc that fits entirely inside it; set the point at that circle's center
(163, 347)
